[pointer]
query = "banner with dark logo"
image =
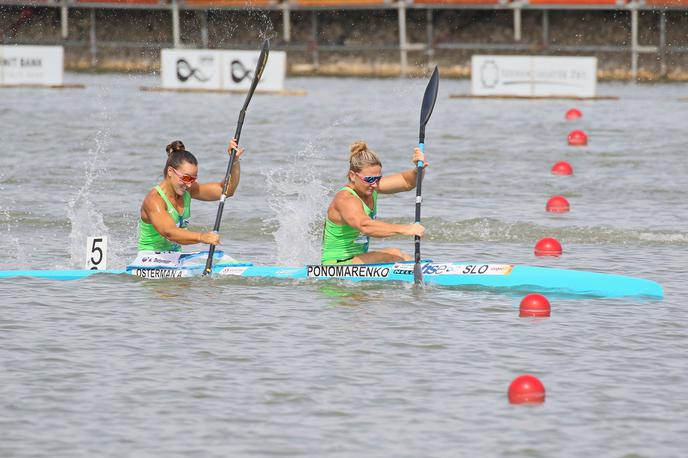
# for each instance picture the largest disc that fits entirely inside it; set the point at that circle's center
(194, 69)
(216, 69)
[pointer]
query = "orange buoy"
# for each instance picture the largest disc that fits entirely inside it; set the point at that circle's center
(557, 204)
(534, 305)
(526, 389)
(577, 138)
(573, 113)
(562, 168)
(548, 247)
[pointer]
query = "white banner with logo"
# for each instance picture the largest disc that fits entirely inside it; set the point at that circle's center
(534, 76)
(220, 70)
(196, 69)
(40, 65)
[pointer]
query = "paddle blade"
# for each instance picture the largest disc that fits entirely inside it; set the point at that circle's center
(262, 59)
(418, 275)
(258, 72)
(429, 100)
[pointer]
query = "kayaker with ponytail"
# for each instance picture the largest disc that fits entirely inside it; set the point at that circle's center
(166, 210)
(352, 215)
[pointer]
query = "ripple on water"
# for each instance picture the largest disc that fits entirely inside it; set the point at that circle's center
(116, 366)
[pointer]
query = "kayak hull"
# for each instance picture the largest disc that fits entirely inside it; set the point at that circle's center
(452, 274)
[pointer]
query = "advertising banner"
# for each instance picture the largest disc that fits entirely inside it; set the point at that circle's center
(31, 65)
(220, 69)
(239, 67)
(533, 76)
(190, 68)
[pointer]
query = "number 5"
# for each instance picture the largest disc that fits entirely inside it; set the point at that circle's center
(96, 253)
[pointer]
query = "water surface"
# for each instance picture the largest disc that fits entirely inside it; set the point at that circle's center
(118, 366)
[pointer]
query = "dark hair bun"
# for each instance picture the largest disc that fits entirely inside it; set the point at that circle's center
(176, 145)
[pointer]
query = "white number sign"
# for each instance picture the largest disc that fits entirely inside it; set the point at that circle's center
(96, 253)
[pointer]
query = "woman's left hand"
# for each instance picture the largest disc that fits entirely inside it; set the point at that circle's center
(418, 156)
(233, 145)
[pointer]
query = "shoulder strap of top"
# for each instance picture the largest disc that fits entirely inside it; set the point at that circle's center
(352, 192)
(187, 204)
(167, 201)
(365, 206)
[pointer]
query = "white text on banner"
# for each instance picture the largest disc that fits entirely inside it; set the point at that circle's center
(533, 76)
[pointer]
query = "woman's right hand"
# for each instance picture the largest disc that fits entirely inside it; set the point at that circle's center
(418, 156)
(233, 145)
(414, 229)
(210, 238)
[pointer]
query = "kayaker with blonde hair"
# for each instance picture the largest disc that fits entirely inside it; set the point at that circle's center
(352, 215)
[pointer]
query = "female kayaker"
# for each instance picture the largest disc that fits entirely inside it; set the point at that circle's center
(166, 209)
(351, 217)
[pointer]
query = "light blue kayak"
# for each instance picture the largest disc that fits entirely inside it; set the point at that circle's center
(507, 277)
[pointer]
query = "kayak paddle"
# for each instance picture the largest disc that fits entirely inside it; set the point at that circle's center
(426, 110)
(260, 66)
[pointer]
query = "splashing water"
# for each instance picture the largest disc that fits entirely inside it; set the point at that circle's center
(85, 219)
(298, 198)
(266, 29)
(258, 23)
(11, 247)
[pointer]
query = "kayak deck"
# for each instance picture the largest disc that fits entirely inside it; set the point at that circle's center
(477, 275)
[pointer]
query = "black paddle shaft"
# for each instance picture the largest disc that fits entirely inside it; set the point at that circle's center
(420, 171)
(429, 99)
(260, 66)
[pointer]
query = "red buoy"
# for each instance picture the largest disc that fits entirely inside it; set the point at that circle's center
(548, 247)
(534, 305)
(526, 389)
(562, 168)
(557, 204)
(573, 113)
(577, 138)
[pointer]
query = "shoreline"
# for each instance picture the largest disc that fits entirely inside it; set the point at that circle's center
(358, 70)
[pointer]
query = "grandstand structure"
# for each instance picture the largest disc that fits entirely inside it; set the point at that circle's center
(298, 27)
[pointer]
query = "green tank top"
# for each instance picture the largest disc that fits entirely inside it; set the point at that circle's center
(343, 242)
(150, 239)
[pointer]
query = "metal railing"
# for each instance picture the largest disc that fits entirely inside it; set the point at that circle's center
(353, 4)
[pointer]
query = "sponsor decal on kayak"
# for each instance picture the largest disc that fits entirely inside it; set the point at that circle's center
(159, 273)
(455, 269)
(154, 260)
(232, 270)
(402, 269)
(357, 271)
(486, 269)
(287, 272)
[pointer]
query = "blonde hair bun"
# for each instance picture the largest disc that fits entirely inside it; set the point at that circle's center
(362, 156)
(358, 147)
